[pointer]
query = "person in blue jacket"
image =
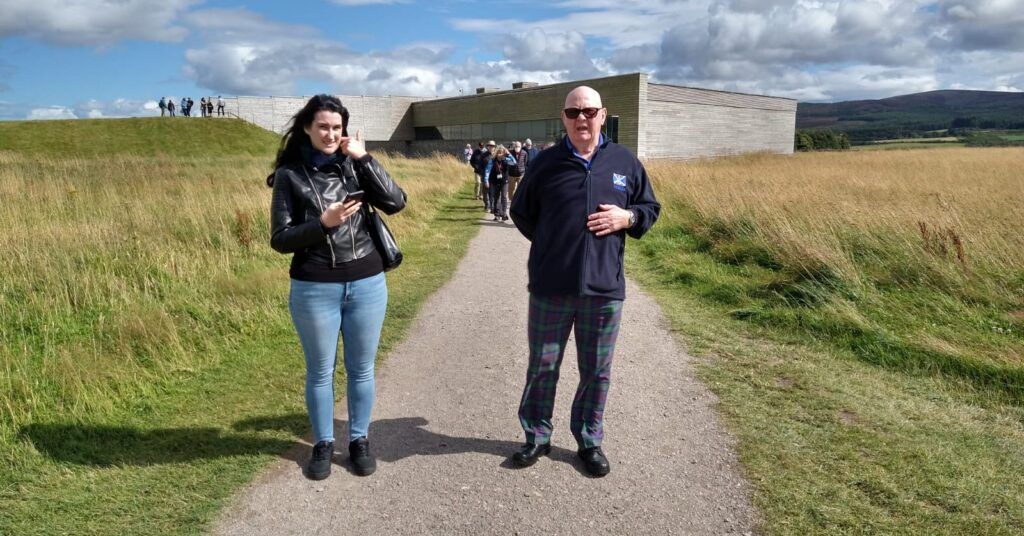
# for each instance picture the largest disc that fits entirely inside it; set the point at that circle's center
(496, 176)
(578, 202)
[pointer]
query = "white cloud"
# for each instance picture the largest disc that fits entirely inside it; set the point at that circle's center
(624, 25)
(51, 112)
(93, 22)
(538, 50)
(983, 24)
(246, 54)
(805, 49)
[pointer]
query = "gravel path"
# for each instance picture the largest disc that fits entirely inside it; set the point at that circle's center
(445, 424)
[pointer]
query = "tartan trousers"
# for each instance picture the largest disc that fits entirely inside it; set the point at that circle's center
(595, 321)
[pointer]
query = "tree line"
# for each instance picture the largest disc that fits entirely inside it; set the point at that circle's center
(820, 140)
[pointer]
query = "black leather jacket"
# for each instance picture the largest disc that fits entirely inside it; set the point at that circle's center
(302, 193)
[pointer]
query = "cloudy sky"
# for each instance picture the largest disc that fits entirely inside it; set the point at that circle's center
(109, 58)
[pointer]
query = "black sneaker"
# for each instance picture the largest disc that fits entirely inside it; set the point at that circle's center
(319, 466)
(363, 462)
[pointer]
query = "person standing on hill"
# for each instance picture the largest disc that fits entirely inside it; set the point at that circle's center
(170, 106)
(321, 179)
(209, 106)
(163, 106)
(202, 106)
(220, 106)
(576, 205)
(184, 106)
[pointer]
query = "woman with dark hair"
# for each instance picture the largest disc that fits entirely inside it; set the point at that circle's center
(321, 179)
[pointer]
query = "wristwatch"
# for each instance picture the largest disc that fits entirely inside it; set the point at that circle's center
(632, 219)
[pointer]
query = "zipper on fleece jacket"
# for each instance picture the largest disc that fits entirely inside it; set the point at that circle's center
(586, 233)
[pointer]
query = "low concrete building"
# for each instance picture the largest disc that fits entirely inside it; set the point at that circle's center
(653, 120)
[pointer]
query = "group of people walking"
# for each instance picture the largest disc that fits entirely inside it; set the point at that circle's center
(498, 171)
(576, 202)
(167, 106)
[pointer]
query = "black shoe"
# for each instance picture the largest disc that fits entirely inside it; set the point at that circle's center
(528, 455)
(594, 461)
(363, 463)
(319, 466)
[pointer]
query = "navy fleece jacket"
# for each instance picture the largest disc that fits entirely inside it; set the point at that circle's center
(551, 207)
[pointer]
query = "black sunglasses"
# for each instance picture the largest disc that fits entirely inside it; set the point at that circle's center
(573, 113)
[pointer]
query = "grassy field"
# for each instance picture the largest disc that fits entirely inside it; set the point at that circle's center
(173, 137)
(917, 143)
(1011, 136)
(148, 367)
(861, 317)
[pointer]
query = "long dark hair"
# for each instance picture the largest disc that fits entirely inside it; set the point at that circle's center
(295, 137)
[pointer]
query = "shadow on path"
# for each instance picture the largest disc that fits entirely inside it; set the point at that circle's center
(396, 439)
(392, 439)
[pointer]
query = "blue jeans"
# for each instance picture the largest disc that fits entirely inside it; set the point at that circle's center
(322, 311)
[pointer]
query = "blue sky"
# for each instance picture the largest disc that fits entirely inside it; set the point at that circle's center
(112, 58)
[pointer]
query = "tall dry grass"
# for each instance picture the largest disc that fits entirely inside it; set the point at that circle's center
(860, 317)
(957, 210)
(114, 269)
(913, 259)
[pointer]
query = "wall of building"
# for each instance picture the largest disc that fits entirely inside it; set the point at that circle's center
(620, 95)
(381, 118)
(655, 120)
(681, 122)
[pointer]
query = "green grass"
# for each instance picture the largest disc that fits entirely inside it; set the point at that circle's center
(174, 137)
(148, 366)
(906, 145)
(853, 411)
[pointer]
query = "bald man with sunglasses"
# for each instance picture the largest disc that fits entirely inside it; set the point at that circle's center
(576, 205)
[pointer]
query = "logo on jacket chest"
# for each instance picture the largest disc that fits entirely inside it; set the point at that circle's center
(619, 182)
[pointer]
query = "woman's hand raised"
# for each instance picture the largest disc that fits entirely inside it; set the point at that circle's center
(353, 145)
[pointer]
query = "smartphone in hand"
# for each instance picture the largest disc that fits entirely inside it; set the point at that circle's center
(353, 196)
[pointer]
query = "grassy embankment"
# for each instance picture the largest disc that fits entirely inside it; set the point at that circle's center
(861, 317)
(910, 143)
(148, 367)
(981, 138)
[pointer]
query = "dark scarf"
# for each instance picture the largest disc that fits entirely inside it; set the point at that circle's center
(315, 158)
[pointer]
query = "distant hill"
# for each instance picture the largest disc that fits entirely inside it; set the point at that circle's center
(916, 114)
(142, 136)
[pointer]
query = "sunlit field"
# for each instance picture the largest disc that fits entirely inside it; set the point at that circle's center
(861, 315)
(148, 367)
(841, 230)
(106, 264)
